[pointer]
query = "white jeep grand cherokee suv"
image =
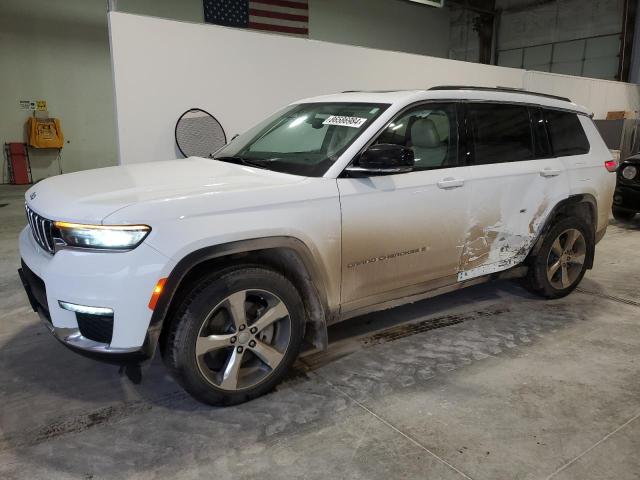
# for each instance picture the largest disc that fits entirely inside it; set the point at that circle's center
(333, 207)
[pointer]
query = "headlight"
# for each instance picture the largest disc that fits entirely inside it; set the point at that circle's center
(629, 172)
(112, 237)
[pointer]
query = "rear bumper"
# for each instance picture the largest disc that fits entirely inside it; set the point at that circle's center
(118, 281)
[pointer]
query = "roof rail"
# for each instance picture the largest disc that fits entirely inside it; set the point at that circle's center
(374, 91)
(499, 89)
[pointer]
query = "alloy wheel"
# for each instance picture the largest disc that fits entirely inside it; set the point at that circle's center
(566, 259)
(243, 339)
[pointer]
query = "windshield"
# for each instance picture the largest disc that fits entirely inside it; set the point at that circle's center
(303, 139)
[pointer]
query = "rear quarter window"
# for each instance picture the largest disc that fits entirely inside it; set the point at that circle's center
(566, 133)
(501, 133)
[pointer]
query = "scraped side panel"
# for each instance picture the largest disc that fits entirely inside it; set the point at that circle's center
(510, 203)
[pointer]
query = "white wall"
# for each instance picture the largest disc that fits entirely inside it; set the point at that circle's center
(600, 96)
(162, 68)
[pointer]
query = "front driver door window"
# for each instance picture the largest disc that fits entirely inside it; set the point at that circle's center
(404, 232)
(430, 131)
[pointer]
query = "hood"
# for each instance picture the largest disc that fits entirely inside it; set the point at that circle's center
(92, 195)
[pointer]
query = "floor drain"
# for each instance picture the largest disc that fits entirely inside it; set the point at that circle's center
(609, 297)
(403, 331)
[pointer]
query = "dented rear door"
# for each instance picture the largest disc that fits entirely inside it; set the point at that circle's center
(514, 183)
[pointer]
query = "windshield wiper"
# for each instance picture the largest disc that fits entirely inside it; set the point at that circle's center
(241, 161)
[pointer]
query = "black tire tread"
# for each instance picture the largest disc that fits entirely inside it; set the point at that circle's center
(177, 336)
(536, 279)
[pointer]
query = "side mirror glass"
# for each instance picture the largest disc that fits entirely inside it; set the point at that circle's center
(384, 158)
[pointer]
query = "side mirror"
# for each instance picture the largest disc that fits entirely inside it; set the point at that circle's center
(383, 158)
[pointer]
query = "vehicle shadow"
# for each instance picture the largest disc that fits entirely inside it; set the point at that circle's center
(633, 224)
(440, 305)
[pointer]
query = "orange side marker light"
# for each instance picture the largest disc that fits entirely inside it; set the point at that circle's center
(155, 296)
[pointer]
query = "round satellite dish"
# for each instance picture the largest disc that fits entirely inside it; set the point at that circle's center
(199, 134)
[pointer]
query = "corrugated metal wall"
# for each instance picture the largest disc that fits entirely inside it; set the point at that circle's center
(574, 37)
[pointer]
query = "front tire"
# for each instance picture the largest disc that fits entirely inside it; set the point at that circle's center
(235, 335)
(623, 215)
(562, 260)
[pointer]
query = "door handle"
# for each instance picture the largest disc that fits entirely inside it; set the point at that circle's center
(550, 172)
(450, 182)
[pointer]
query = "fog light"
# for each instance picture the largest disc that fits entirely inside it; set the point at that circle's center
(72, 307)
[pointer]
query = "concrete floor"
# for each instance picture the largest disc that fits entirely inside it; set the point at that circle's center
(488, 383)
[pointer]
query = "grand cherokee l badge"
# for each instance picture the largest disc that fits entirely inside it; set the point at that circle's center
(387, 257)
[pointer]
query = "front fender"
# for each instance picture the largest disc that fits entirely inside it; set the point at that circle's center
(320, 307)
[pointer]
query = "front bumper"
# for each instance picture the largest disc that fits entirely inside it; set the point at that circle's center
(121, 281)
(627, 197)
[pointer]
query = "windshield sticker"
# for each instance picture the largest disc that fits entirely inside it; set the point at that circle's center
(354, 122)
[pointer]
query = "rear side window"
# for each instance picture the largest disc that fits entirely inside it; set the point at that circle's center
(566, 133)
(501, 133)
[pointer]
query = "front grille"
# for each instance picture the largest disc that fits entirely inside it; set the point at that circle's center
(41, 229)
(98, 328)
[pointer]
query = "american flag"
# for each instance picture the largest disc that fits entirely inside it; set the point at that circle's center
(282, 16)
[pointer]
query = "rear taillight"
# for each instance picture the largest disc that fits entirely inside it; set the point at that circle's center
(611, 165)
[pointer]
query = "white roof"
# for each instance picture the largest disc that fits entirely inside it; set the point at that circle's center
(405, 97)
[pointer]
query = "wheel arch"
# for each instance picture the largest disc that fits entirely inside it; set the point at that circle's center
(583, 205)
(287, 255)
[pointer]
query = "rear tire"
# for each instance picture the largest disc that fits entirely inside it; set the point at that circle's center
(235, 335)
(561, 262)
(623, 215)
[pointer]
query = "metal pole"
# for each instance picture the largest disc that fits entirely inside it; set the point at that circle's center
(627, 40)
(634, 68)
